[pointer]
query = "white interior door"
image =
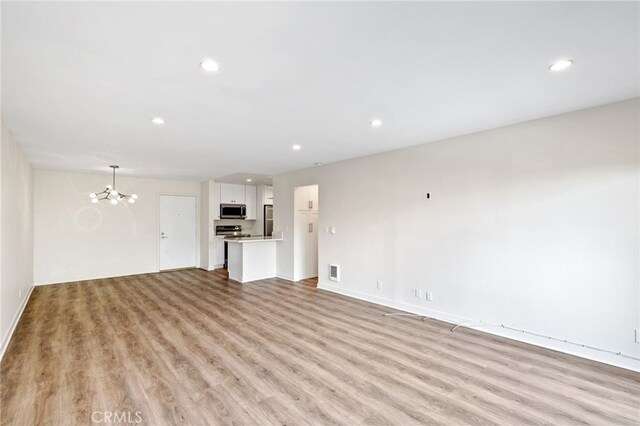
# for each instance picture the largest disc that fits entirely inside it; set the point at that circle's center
(177, 232)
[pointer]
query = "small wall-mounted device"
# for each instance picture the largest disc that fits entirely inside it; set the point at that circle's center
(334, 272)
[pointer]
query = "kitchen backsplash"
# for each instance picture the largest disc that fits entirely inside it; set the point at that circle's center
(247, 225)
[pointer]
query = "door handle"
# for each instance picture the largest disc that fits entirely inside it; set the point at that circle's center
(163, 236)
(310, 227)
(310, 204)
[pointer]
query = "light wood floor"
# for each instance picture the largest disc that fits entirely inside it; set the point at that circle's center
(190, 347)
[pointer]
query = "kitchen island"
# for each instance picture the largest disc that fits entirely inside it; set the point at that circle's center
(252, 258)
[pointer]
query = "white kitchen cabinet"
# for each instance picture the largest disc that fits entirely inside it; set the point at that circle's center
(226, 193)
(239, 194)
(218, 257)
(268, 195)
(251, 199)
(231, 193)
(306, 245)
(311, 264)
(307, 198)
(313, 197)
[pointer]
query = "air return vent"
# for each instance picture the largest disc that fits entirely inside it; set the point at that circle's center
(334, 272)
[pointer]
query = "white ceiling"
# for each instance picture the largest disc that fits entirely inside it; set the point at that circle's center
(81, 80)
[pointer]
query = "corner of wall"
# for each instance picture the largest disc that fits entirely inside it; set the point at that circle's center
(16, 233)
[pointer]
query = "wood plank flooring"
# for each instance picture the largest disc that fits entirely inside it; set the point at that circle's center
(191, 347)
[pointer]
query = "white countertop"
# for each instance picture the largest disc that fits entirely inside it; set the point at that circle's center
(252, 240)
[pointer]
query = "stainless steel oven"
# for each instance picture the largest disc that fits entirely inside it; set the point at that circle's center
(233, 211)
(229, 231)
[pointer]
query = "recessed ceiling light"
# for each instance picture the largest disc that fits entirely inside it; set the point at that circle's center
(376, 123)
(248, 179)
(209, 65)
(560, 65)
(296, 147)
(158, 120)
(319, 164)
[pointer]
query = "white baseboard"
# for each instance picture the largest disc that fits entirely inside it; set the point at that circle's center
(592, 354)
(14, 323)
(284, 277)
(100, 277)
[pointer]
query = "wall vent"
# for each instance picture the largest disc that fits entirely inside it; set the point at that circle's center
(334, 272)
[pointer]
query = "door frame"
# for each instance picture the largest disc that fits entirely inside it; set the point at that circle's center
(175, 194)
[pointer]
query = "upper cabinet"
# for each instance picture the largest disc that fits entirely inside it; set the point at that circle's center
(251, 198)
(231, 193)
(226, 193)
(307, 198)
(268, 195)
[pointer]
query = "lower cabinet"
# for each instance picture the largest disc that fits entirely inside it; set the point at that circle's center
(218, 257)
(305, 245)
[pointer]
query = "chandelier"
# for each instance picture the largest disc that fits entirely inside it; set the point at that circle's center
(111, 194)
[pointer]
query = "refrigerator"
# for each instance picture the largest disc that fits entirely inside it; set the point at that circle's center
(268, 220)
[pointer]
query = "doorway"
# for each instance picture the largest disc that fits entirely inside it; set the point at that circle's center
(178, 231)
(305, 241)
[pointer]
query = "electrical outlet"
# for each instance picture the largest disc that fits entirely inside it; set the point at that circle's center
(379, 285)
(637, 335)
(20, 296)
(417, 293)
(429, 296)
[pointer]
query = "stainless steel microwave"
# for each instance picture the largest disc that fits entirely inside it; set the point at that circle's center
(233, 211)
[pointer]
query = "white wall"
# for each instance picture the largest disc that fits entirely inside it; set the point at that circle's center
(16, 234)
(77, 240)
(534, 226)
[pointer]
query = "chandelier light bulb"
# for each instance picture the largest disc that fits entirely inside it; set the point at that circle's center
(114, 192)
(94, 200)
(92, 195)
(114, 201)
(108, 187)
(131, 200)
(134, 196)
